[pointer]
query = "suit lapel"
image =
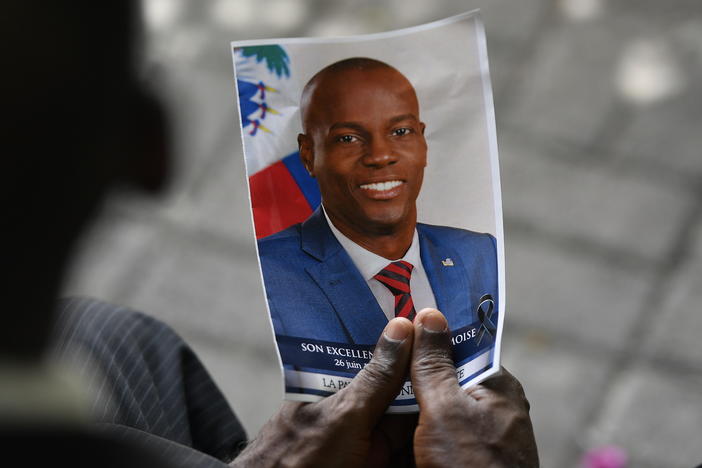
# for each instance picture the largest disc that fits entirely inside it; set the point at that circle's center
(341, 282)
(449, 284)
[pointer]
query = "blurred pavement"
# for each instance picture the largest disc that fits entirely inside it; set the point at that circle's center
(599, 121)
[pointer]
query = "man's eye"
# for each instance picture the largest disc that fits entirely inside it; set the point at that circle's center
(347, 139)
(402, 131)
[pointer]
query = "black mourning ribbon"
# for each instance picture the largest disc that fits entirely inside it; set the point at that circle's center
(485, 310)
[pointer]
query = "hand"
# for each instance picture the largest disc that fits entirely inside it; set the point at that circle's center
(344, 429)
(487, 425)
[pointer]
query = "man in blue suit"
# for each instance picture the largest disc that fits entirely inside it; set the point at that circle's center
(362, 258)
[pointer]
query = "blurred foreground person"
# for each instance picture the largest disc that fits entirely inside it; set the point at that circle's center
(79, 123)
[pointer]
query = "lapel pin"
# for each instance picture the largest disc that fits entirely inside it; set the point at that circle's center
(447, 262)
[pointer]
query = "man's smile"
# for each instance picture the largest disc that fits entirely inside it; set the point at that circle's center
(382, 190)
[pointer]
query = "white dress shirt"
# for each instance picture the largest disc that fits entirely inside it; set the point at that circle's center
(370, 264)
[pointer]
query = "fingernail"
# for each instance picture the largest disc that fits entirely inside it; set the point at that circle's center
(398, 329)
(433, 321)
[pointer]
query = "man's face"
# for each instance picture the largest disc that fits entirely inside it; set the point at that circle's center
(365, 145)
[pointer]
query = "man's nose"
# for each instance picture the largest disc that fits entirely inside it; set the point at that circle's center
(379, 153)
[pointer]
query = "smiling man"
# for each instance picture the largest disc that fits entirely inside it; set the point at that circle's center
(362, 258)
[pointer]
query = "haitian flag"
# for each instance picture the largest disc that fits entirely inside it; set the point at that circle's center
(282, 192)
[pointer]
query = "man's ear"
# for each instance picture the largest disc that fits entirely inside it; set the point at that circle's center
(304, 145)
(422, 126)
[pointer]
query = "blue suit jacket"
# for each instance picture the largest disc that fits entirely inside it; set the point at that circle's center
(315, 291)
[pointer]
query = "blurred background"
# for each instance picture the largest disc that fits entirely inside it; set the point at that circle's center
(599, 121)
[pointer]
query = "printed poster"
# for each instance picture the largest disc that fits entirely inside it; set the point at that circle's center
(374, 185)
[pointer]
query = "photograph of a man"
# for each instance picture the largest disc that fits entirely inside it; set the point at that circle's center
(362, 258)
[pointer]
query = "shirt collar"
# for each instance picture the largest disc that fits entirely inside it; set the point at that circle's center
(367, 262)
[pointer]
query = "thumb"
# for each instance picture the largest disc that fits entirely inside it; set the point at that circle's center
(432, 369)
(379, 382)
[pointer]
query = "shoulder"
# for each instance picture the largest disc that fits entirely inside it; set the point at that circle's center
(477, 250)
(102, 315)
(285, 240)
(87, 319)
(442, 235)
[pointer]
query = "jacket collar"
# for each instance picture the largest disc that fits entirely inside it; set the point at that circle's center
(342, 284)
(316, 237)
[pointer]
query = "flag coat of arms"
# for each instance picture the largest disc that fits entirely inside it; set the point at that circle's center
(282, 192)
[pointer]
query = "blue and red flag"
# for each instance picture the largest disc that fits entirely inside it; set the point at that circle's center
(282, 192)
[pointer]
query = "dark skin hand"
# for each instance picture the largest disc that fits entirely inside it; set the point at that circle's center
(349, 428)
(486, 425)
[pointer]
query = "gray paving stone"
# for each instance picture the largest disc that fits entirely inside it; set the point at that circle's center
(201, 109)
(506, 20)
(678, 323)
(697, 240)
(666, 134)
(250, 380)
(561, 385)
(655, 415)
(655, 11)
(213, 290)
(568, 89)
(502, 70)
(588, 202)
(106, 254)
(339, 18)
(509, 21)
(510, 28)
(219, 202)
(558, 292)
(203, 104)
(230, 20)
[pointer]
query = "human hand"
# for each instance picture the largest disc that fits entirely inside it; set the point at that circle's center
(347, 428)
(486, 425)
